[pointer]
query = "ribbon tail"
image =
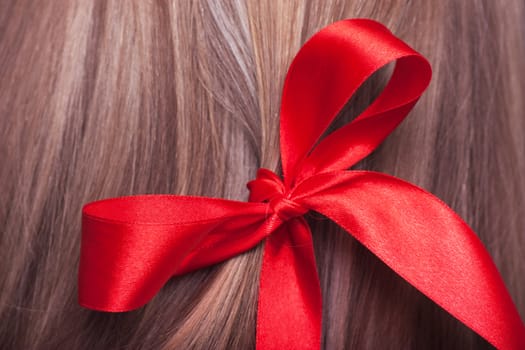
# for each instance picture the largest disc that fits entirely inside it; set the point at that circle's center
(289, 311)
(425, 242)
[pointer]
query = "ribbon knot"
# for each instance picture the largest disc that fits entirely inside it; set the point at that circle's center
(269, 188)
(132, 246)
(287, 209)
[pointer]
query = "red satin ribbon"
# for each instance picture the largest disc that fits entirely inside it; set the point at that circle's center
(132, 245)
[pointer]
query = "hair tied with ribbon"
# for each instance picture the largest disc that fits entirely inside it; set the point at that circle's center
(131, 246)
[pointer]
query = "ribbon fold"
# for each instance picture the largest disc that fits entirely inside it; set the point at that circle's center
(131, 246)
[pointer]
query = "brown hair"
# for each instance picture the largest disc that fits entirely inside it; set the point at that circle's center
(106, 98)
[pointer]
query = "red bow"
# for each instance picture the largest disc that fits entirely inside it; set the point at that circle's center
(132, 245)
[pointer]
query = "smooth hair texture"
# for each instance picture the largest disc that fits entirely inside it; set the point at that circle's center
(106, 98)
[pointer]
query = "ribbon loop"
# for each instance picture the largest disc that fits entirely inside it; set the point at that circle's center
(132, 245)
(324, 75)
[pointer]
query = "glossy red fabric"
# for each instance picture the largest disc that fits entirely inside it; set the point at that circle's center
(132, 245)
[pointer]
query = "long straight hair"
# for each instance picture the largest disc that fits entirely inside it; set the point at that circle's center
(107, 98)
